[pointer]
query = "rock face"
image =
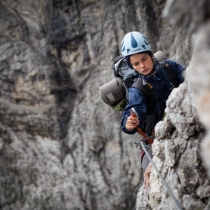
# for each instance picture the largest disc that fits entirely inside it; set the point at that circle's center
(61, 147)
(182, 143)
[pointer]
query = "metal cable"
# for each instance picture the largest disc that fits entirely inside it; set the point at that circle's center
(161, 177)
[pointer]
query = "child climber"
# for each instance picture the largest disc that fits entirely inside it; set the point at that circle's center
(136, 49)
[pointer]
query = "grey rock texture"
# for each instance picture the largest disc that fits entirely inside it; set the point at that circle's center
(181, 148)
(61, 147)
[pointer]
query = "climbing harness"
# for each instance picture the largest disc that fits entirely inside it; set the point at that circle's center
(180, 207)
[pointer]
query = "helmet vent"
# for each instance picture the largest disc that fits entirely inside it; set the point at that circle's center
(134, 43)
(146, 42)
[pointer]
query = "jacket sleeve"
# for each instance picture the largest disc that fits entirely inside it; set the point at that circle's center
(178, 70)
(137, 101)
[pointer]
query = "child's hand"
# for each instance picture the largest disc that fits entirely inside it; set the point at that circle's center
(132, 122)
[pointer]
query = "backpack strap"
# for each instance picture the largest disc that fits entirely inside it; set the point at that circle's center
(148, 92)
(170, 73)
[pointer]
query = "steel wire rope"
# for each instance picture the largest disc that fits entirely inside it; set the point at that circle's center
(162, 179)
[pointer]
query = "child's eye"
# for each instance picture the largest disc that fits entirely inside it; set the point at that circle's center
(144, 59)
(135, 64)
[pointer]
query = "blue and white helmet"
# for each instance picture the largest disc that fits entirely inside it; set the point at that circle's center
(134, 42)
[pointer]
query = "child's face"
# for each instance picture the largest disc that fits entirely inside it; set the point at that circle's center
(142, 62)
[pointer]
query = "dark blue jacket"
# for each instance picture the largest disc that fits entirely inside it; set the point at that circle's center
(163, 88)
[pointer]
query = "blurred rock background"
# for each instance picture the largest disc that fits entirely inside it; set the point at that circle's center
(61, 147)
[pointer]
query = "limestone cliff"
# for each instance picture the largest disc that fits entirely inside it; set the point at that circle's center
(61, 147)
